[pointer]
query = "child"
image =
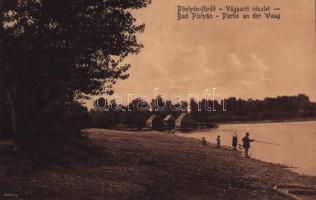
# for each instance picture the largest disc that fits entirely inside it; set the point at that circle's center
(203, 141)
(235, 141)
(218, 145)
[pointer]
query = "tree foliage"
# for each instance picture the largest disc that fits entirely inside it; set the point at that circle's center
(56, 51)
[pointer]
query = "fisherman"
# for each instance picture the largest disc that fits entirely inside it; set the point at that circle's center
(235, 141)
(246, 144)
(218, 145)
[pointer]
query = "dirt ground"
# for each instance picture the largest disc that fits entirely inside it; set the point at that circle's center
(145, 165)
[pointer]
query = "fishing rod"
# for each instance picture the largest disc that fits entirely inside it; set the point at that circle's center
(259, 141)
(267, 142)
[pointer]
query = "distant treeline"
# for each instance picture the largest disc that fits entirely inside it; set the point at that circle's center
(278, 108)
(135, 114)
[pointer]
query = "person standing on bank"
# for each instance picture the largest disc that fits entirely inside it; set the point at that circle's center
(246, 143)
(235, 141)
(204, 142)
(218, 140)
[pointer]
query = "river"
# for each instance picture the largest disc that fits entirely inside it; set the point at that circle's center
(294, 143)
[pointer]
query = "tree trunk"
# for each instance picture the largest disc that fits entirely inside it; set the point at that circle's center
(1, 117)
(12, 112)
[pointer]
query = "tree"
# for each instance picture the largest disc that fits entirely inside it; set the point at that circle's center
(138, 112)
(57, 52)
(159, 106)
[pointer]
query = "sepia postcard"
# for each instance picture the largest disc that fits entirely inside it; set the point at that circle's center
(157, 99)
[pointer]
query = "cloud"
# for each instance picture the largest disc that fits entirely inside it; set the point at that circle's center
(243, 69)
(191, 61)
(197, 69)
(258, 67)
(234, 61)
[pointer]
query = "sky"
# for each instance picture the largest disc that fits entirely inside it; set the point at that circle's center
(241, 58)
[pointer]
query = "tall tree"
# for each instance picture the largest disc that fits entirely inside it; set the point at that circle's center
(58, 51)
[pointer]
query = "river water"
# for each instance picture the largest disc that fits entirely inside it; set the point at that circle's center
(294, 143)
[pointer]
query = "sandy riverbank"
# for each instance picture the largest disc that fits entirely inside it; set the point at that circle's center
(148, 165)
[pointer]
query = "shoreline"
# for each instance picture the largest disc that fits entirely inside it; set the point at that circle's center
(150, 165)
(293, 164)
(193, 130)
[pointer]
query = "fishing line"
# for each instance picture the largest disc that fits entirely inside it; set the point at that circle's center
(267, 142)
(270, 143)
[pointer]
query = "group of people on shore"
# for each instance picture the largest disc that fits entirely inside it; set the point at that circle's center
(245, 142)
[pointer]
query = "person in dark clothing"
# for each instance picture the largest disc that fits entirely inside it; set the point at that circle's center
(235, 141)
(246, 144)
(218, 140)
